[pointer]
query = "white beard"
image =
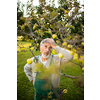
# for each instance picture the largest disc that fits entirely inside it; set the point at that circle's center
(45, 56)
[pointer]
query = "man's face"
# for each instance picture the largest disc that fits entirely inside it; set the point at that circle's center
(46, 49)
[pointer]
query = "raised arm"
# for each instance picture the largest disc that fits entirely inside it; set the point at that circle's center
(66, 54)
(67, 57)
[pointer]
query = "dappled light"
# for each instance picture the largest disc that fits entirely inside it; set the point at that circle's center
(65, 25)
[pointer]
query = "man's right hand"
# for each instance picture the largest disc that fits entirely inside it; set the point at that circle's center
(52, 42)
(32, 81)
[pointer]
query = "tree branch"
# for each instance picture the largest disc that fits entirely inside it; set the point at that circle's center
(33, 55)
(31, 34)
(74, 77)
(77, 64)
(72, 42)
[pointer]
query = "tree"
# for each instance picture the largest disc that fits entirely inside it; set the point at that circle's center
(65, 22)
(20, 18)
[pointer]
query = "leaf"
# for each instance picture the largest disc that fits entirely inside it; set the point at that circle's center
(62, 9)
(35, 25)
(49, 31)
(37, 31)
(54, 13)
(72, 27)
(22, 27)
(30, 46)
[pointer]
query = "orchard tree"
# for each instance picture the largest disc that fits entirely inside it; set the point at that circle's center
(20, 19)
(64, 24)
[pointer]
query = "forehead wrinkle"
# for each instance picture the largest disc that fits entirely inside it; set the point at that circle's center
(46, 44)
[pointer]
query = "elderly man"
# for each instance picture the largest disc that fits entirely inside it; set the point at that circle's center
(46, 58)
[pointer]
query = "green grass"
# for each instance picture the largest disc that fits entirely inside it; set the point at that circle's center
(75, 92)
(23, 44)
(25, 89)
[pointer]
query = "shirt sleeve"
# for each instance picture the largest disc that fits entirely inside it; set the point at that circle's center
(27, 70)
(67, 57)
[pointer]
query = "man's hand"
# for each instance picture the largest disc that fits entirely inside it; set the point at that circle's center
(32, 81)
(52, 42)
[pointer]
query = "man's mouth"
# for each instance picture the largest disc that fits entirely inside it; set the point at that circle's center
(46, 53)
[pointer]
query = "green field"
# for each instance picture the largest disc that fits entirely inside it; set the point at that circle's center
(25, 89)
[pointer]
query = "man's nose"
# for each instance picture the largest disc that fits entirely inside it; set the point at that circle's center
(47, 49)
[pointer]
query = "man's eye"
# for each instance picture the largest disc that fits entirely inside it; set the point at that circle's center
(50, 48)
(46, 46)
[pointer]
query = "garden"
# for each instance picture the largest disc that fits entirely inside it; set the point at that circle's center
(25, 89)
(64, 24)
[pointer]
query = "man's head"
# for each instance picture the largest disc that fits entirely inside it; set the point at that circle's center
(45, 48)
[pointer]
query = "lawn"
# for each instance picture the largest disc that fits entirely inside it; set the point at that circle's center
(23, 46)
(25, 89)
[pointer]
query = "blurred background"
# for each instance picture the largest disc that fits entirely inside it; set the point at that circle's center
(62, 20)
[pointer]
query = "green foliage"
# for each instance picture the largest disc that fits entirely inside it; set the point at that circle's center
(25, 89)
(20, 19)
(67, 22)
(75, 91)
(50, 20)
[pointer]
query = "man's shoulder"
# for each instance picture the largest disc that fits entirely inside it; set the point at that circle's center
(55, 55)
(36, 57)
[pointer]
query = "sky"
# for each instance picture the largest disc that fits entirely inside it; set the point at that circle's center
(36, 3)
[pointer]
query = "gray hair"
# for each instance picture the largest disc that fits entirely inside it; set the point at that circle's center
(44, 41)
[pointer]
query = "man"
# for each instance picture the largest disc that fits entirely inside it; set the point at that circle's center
(46, 58)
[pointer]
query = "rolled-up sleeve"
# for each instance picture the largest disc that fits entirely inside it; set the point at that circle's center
(67, 57)
(27, 70)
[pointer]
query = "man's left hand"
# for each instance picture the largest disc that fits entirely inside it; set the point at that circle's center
(52, 42)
